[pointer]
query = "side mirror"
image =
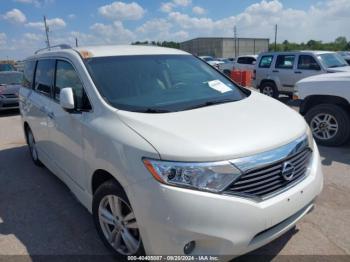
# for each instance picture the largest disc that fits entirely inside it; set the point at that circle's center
(67, 98)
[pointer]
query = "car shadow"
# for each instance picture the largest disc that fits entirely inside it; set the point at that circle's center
(39, 217)
(7, 113)
(330, 155)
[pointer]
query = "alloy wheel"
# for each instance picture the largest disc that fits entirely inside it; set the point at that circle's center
(268, 90)
(324, 126)
(119, 225)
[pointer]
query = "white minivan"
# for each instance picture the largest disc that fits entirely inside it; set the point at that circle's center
(163, 150)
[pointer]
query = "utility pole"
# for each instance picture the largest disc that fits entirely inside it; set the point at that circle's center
(47, 33)
(275, 37)
(235, 37)
(76, 42)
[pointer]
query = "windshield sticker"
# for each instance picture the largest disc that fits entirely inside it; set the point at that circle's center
(219, 86)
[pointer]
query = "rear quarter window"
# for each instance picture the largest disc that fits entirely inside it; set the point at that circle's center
(28, 74)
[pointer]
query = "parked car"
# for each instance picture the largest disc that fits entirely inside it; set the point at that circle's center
(326, 107)
(346, 56)
(227, 65)
(277, 72)
(244, 63)
(10, 83)
(168, 160)
(7, 67)
(211, 61)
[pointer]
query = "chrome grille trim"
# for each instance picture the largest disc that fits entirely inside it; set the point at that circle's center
(262, 173)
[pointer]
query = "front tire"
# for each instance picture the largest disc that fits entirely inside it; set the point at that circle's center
(116, 222)
(32, 147)
(269, 89)
(330, 124)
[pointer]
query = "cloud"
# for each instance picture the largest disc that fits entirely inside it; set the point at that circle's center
(33, 37)
(72, 16)
(198, 10)
(55, 23)
(259, 19)
(114, 33)
(36, 3)
(167, 7)
(182, 2)
(15, 16)
(3, 39)
(122, 11)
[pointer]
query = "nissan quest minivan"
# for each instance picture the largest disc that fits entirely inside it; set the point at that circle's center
(168, 154)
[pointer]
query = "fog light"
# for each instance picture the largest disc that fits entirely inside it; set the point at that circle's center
(189, 247)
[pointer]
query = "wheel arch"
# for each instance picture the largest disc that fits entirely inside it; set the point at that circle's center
(99, 177)
(311, 101)
(267, 81)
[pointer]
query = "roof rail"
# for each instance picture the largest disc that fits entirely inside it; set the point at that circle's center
(61, 46)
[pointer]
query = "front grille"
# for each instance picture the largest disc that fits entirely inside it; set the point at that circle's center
(264, 181)
(10, 105)
(10, 95)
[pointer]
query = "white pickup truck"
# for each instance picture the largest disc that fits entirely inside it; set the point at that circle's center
(326, 107)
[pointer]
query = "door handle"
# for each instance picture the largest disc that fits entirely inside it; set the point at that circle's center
(297, 72)
(275, 71)
(51, 115)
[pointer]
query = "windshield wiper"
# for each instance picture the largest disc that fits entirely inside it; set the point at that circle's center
(155, 111)
(211, 103)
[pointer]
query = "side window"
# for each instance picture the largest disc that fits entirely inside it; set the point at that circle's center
(285, 61)
(250, 60)
(44, 76)
(66, 76)
(28, 74)
(266, 61)
(241, 60)
(307, 62)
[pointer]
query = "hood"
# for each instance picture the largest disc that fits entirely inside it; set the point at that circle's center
(336, 77)
(339, 69)
(220, 132)
(9, 89)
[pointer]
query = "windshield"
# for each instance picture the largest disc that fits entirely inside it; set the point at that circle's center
(11, 78)
(208, 59)
(6, 67)
(160, 83)
(332, 60)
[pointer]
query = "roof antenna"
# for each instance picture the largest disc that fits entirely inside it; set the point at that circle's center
(47, 34)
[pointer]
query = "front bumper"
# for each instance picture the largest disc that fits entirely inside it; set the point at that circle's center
(170, 217)
(9, 103)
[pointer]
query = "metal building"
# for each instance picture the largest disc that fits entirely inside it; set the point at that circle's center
(225, 46)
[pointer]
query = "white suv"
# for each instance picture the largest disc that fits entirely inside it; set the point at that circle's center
(277, 72)
(162, 149)
(326, 107)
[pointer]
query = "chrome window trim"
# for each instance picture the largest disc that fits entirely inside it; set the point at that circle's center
(246, 164)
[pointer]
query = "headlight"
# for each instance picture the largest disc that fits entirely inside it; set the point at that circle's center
(310, 138)
(213, 177)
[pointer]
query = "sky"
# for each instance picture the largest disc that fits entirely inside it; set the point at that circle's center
(122, 22)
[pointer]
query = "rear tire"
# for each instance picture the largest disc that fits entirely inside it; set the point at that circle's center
(32, 147)
(329, 123)
(269, 89)
(115, 221)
